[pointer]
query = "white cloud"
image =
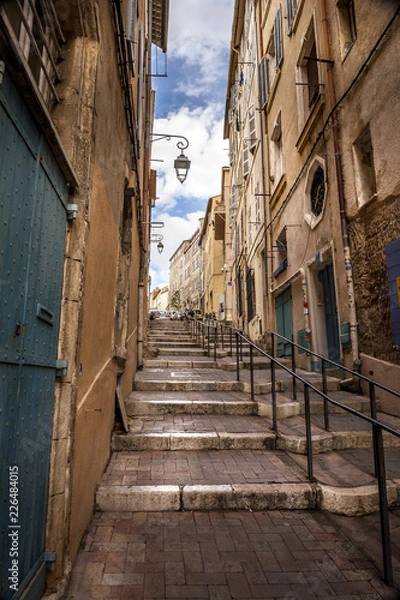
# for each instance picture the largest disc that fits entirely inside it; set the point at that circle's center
(198, 52)
(199, 33)
(207, 151)
(175, 230)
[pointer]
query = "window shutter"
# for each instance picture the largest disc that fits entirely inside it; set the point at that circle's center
(252, 129)
(278, 42)
(290, 15)
(246, 159)
(263, 82)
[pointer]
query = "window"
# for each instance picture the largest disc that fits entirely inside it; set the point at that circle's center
(263, 82)
(131, 26)
(307, 76)
(312, 75)
(315, 192)
(276, 152)
(38, 31)
(275, 49)
(239, 292)
(347, 25)
(250, 292)
(278, 41)
(291, 8)
(364, 167)
(280, 253)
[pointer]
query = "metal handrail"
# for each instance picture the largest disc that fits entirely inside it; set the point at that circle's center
(377, 426)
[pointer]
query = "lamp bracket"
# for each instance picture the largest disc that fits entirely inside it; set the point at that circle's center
(155, 137)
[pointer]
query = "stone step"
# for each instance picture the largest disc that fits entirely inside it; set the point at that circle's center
(173, 351)
(176, 344)
(161, 403)
(171, 363)
(236, 480)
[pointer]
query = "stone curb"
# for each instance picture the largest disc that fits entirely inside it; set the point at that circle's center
(194, 441)
(356, 501)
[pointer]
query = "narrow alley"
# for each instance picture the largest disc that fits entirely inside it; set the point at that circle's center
(201, 498)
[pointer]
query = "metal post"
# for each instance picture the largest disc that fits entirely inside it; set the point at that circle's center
(208, 340)
(273, 386)
(294, 381)
(307, 414)
(215, 342)
(383, 504)
(237, 357)
(251, 373)
(325, 391)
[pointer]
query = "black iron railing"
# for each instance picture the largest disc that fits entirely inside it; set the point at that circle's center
(216, 336)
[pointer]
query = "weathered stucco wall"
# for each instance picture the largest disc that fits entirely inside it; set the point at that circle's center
(99, 322)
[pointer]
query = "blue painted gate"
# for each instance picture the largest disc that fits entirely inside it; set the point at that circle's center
(284, 322)
(33, 194)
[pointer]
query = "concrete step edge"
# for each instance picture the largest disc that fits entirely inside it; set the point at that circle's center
(355, 501)
(198, 407)
(193, 441)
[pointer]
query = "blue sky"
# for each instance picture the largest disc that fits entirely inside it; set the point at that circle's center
(190, 101)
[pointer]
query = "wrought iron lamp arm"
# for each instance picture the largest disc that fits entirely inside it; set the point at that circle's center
(155, 137)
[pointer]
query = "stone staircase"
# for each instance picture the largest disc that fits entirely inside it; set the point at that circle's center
(197, 441)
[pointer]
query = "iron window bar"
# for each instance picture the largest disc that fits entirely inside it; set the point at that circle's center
(43, 39)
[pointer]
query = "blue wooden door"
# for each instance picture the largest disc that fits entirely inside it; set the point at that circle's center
(331, 318)
(284, 322)
(33, 194)
(393, 267)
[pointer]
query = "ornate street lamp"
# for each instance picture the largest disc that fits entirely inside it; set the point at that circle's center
(181, 163)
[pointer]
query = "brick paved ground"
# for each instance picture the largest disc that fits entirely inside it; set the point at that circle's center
(286, 555)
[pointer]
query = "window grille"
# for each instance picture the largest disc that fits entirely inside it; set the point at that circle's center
(36, 28)
(317, 192)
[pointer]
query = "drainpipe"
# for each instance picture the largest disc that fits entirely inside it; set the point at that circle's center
(267, 306)
(342, 201)
(145, 213)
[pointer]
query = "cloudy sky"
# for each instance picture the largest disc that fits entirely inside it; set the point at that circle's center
(190, 101)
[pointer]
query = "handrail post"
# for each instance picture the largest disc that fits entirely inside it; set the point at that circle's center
(237, 357)
(222, 338)
(325, 392)
(215, 342)
(307, 414)
(383, 503)
(273, 386)
(231, 341)
(251, 372)
(208, 340)
(294, 386)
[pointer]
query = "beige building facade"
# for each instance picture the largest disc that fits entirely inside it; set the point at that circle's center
(76, 107)
(212, 242)
(313, 120)
(176, 278)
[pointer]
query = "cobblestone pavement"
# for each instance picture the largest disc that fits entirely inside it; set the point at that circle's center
(285, 555)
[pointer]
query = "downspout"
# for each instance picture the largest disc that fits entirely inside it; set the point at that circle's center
(142, 314)
(268, 305)
(342, 200)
